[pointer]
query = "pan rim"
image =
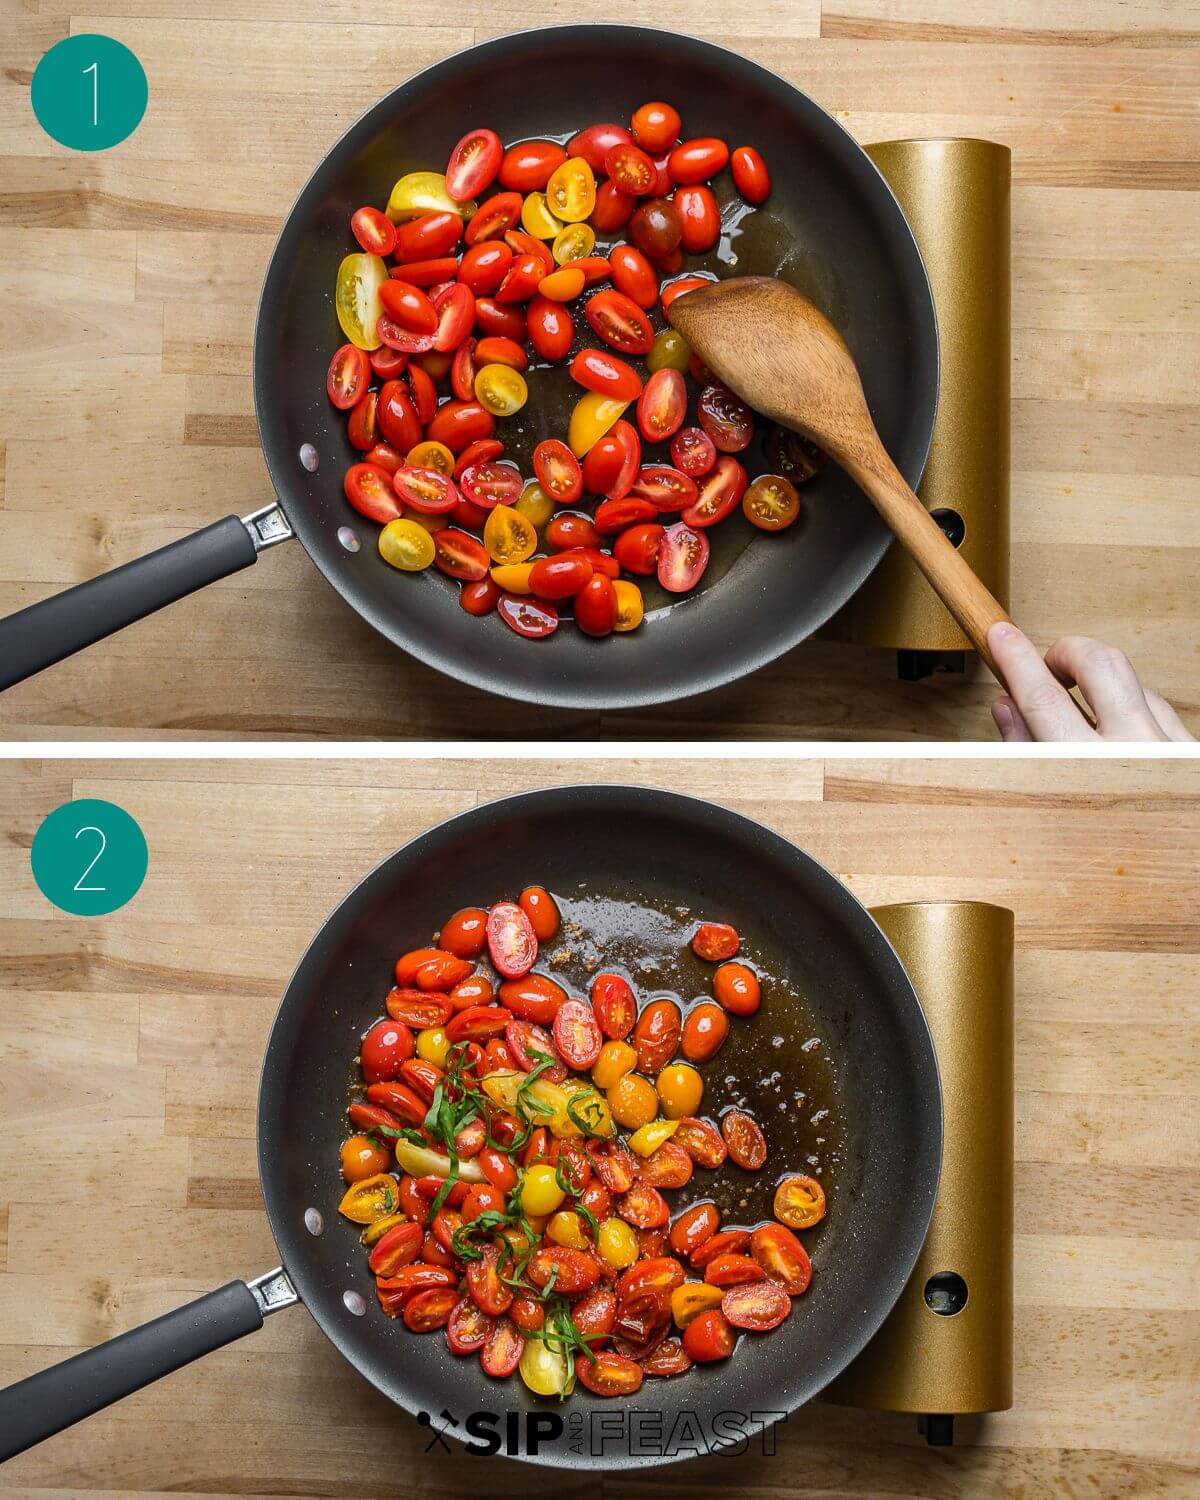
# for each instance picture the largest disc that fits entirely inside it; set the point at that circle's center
(565, 693)
(926, 1164)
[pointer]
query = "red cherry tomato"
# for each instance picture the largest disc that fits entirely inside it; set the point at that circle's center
(665, 488)
(456, 312)
(615, 515)
(574, 1271)
(701, 219)
(633, 275)
(782, 1257)
(502, 1349)
(490, 484)
(595, 269)
(385, 457)
(726, 418)
(720, 494)
(615, 1006)
(521, 279)
(533, 997)
(551, 329)
(387, 362)
(613, 208)
(467, 1327)
(737, 988)
(656, 126)
(458, 423)
(602, 562)
(465, 933)
(409, 306)
(594, 144)
(397, 416)
(483, 266)
(460, 555)
(559, 577)
(525, 1038)
(528, 617)
(348, 377)
(369, 490)
(662, 406)
(529, 166)
(494, 217)
(417, 1008)
(429, 237)
(571, 530)
(512, 942)
(684, 284)
(463, 370)
(576, 1032)
(425, 490)
(631, 169)
(750, 175)
(596, 605)
(620, 322)
(702, 1141)
(704, 1032)
(521, 243)
(558, 471)
(423, 391)
(693, 452)
(374, 231)
(609, 1373)
(598, 370)
(715, 941)
(697, 160)
(402, 339)
(500, 319)
(427, 272)
(500, 351)
(383, 1049)
(362, 426)
(758, 1306)
(746, 1142)
(708, 1337)
(612, 464)
(682, 558)
(473, 164)
(637, 548)
(479, 452)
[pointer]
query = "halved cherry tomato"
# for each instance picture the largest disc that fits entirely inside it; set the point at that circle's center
(528, 166)
(607, 1373)
(490, 484)
(612, 464)
(708, 1337)
(459, 423)
(502, 1350)
(425, 490)
(558, 471)
(463, 370)
(384, 457)
(630, 169)
(559, 577)
(661, 1273)
(656, 227)
(799, 1202)
(670, 1358)
(726, 418)
(571, 191)
(662, 406)
(719, 495)
(574, 1271)
(750, 175)
(374, 231)
(746, 1142)
(615, 1164)
(493, 218)
(421, 1076)
(369, 490)
(633, 275)
(704, 1032)
(782, 1257)
(460, 555)
(417, 1008)
(613, 516)
(655, 125)
(423, 391)
(620, 322)
(732, 1270)
(430, 1309)
(614, 1005)
(665, 488)
(613, 208)
(697, 160)
(481, 451)
(456, 312)
(594, 143)
(693, 452)
(576, 1033)
(701, 219)
(702, 1141)
(398, 1247)
(467, 1328)
(668, 1167)
(387, 362)
(598, 370)
(524, 1040)
(521, 243)
(473, 164)
(349, 375)
(715, 941)
(512, 943)
(771, 502)
(644, 1207)
(383, 1049)
(521, 279)
(551, 330)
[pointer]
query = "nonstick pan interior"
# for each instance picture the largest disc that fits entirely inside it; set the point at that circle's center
(836, 978)
(831, 226)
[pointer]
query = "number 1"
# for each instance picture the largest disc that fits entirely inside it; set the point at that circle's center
(94, 70)
(79, 885)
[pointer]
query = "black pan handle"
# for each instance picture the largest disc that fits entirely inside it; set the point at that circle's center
(37, 637)
(54, 1399)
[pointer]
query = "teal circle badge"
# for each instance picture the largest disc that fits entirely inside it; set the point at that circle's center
(89, 857)
(89, 92)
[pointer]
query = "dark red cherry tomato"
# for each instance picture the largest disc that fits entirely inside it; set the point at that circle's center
(662, 406)
(460, 555)
(596, 605)
(529, 166)
(682, 559)
(429, 237)
(612, 463)
(615, 515)
(620, 322)
(693, 452)
(656, 126)
(483, 266)
(750, 175)
(633, 274)
(701, 218)
(473, 164)
(559, 577)
(726, 418)
(369, 490)
(494, 217)
(665, 488)
(558, 471)
(631, 169)
(349, 375)
(570, 529)
(493, 483)
(528, 617)
(374, 231)
(594, 144)
(697, 160)
(425, 490)
(598, 370)
(551, 329)
(656, 227)
(458, 423)
(637, 549)
(720, 493)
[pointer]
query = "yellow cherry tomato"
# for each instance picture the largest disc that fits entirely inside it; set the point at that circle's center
(373, 1233)
(587, 1110)
(618, 1243)
(615, 1060)
(356, 298)
(680, 1088)
(406, 545)
(513, 578)
(646, 1140)
(630, 606)
(370, 1199)
(591, 418)
(547, 1368)
(435, 456)
(691, 1299)
(424, 193)
(670, 352)
(535, 505)
(571, 191)
(633, 1101)
(508, 536)
(563, 285)
(433, 1045)
(566, 1228)
(536, 218)
(540, 1192)
(573, 242)
(501, 390)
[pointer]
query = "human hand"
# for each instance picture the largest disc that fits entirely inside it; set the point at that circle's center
(1038, 705)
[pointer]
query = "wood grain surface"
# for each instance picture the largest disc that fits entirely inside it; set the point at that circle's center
(130, 280)
(129, 1056)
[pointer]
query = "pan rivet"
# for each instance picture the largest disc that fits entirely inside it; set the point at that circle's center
(308, 457)
(348, 538)
(313, 1221)
(355, 1303)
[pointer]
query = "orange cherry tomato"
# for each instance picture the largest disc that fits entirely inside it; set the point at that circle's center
(708, 1337)
(477, 990)
(502, 1349)
(704, 1032)
(697, 160)
(758, 1306)
(799, 1202)
(465, 933)
(771, 502)
(782, 1257)
(714, 941)
(363, 1157)
(737, 988)
(539, 906)
(563, 285)
(750, 175)
(746, 1142)
(655, 126)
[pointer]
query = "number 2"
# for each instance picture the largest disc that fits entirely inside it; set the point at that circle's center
(79, 885)
(94, 70)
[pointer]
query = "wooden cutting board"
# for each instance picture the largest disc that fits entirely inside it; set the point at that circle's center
(131, 278)
(129, 1056)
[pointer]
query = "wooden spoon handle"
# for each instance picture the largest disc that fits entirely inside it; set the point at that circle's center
(956, 583)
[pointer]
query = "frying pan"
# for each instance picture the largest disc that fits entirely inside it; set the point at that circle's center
(833, 975)
(831, 226)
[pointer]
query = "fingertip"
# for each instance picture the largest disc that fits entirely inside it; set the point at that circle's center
(1002, 716)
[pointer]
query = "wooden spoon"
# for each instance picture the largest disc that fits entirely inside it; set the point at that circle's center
(770, 345)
